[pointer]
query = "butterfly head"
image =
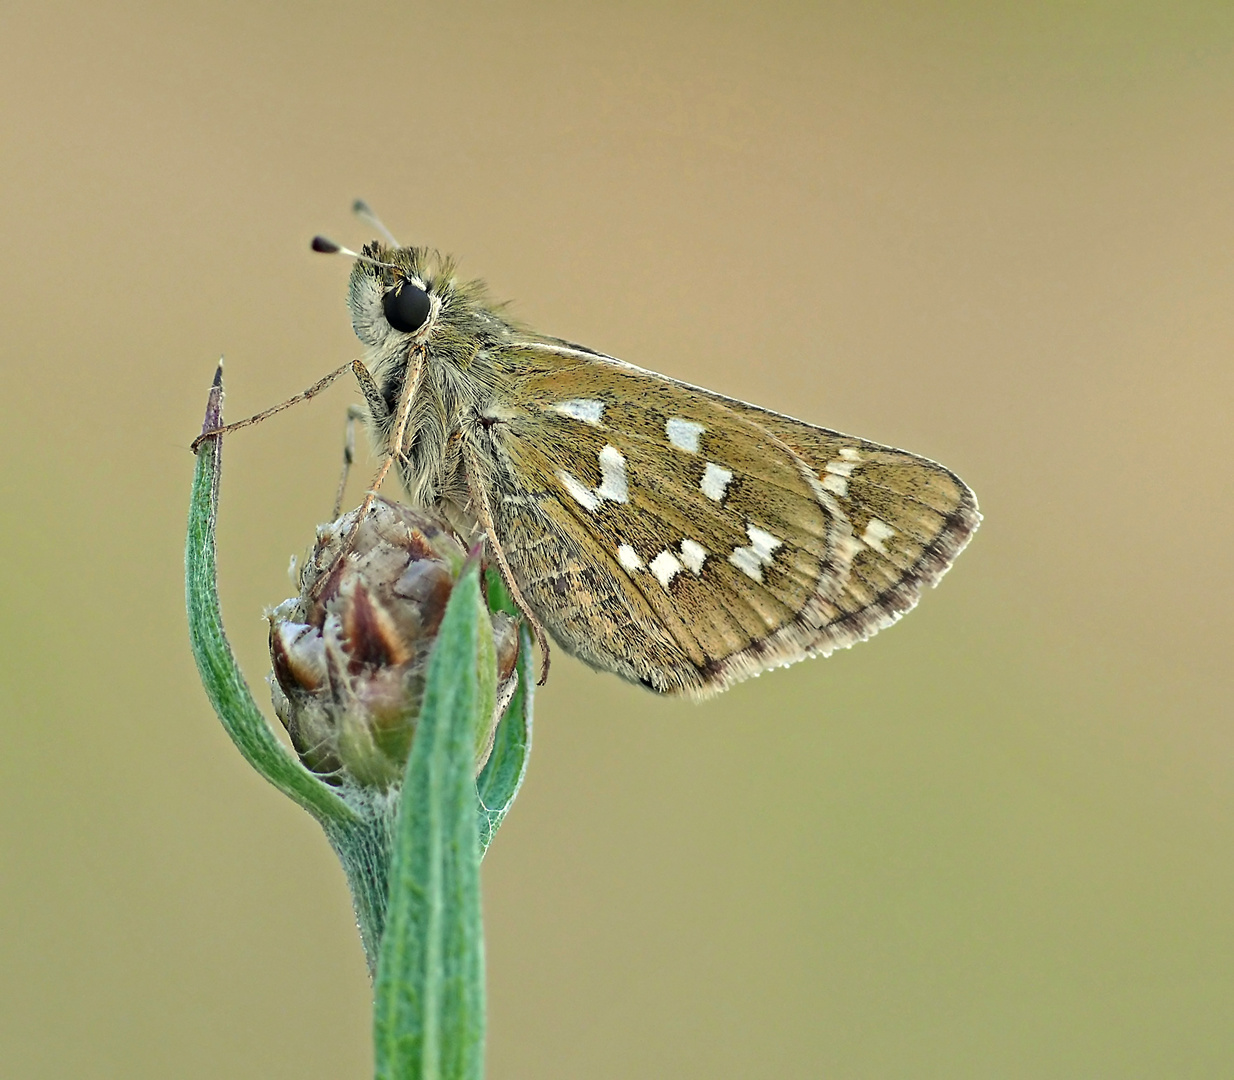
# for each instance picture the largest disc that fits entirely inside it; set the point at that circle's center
(408, 296)
(396, 295)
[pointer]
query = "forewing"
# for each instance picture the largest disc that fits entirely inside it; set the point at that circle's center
(687, 540)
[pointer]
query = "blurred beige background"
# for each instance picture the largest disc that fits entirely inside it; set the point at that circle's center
(995, 842)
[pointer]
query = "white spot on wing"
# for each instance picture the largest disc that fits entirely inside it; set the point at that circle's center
(587, 410)
(584, 496)
(764, 543)
(715, 482)
(612, 487)
(613, 476)
(693, 555)
(683, 434)
(628, 558)
(745, 561)
(760, 552)
(837, 472)
(876, 532)
(665, 567)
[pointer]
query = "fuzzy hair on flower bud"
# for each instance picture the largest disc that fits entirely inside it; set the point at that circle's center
(350, 653)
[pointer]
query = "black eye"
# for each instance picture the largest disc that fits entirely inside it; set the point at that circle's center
(406, 307)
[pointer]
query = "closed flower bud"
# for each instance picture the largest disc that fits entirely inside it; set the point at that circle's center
(350, 653)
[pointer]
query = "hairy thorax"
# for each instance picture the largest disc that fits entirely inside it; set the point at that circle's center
(451, 407)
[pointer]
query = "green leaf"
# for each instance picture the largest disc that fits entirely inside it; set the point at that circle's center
(503, 774)
(428, 1016)
(498, 597)
(220, 675)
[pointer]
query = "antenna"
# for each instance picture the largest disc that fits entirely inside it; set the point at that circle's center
(364, 212)
(326, 246)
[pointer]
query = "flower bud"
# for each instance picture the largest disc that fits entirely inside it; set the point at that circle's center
(350, 653)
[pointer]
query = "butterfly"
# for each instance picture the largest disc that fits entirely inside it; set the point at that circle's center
(678, 538)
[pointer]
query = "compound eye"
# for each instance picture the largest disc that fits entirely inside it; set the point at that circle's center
(406, 307)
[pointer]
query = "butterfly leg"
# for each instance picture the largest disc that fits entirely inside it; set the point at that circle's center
(484, 514)
(396, 441)
(311, 392)
(354, 413)
(396, 435)
(378, 408)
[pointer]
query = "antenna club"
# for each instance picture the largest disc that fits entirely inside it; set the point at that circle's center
(364, 212)
(325, 246)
